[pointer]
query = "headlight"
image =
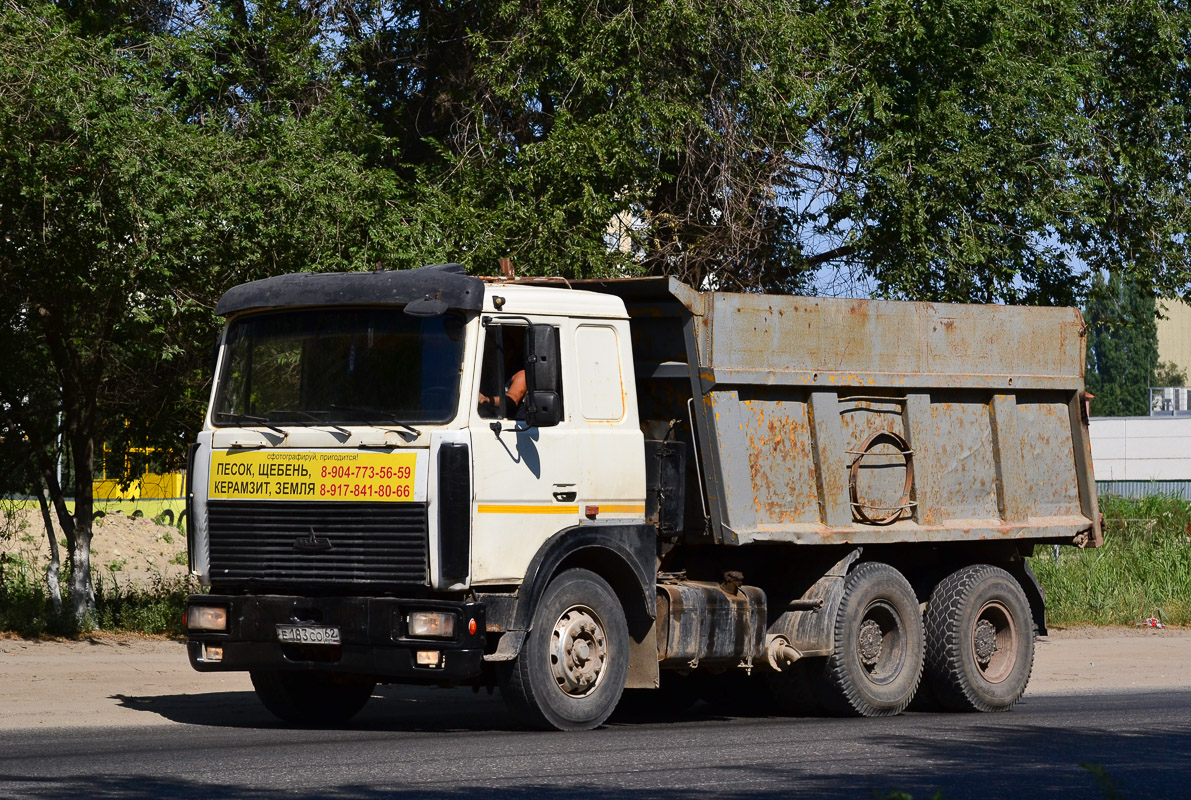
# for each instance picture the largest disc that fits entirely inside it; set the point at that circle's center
(206, 618)
(436, 624)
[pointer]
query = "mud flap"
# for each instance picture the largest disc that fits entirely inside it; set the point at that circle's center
(1020, 569)
(811, 630)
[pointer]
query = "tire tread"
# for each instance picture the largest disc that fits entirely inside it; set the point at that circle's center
(842, 697)
(517, 680)
(943, 640)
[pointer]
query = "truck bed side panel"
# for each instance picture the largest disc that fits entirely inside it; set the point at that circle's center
(833, 421)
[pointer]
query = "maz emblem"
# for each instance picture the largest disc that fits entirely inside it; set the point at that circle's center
(312, 544)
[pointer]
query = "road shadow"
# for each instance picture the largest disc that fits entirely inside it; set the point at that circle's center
(397, 708)
(392, 708)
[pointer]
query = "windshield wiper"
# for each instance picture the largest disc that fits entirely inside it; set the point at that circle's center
(307, 415)
(368, 414)
(262, 421)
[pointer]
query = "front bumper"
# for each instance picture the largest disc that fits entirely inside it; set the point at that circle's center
(374, 640)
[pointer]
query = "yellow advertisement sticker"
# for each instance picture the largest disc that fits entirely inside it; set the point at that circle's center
(316, 475)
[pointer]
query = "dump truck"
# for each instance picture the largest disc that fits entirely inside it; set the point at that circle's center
(591, 492)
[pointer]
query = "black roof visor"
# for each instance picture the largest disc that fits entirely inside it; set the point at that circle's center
(431, 289)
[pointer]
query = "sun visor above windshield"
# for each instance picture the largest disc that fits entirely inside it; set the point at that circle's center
(432, 285)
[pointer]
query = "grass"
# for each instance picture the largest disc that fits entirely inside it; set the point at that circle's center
(157, 609)
(25, 606)
(1142, 570)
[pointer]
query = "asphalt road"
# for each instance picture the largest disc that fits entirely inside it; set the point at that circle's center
(440, 743)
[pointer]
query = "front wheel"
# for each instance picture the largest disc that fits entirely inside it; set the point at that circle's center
(979, 640)
(311, 698)
(877, 663)
(572, 667)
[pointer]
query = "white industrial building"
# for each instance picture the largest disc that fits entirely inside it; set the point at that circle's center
(1137, 456)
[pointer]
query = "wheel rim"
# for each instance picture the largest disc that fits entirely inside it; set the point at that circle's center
(881, 643)
(994, 642)
(578, 651)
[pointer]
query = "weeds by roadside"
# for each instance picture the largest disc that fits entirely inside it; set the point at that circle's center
(138, 570)
(157, 609)
(1142, 570)
(25, 606)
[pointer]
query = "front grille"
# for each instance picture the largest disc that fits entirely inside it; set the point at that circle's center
(313, 543)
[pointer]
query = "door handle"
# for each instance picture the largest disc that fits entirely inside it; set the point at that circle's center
(565, 497)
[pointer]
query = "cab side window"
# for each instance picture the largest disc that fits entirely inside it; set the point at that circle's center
(601, 385)
(502, 372)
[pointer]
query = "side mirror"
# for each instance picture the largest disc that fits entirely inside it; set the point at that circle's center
(542, 407)
(541, 359)
(542, 410)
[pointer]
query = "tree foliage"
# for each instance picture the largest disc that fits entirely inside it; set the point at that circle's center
(124, 216)
(1122, 347)
(1168, 373)
(957, 150)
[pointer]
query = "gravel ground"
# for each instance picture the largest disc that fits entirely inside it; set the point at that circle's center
(131, 552)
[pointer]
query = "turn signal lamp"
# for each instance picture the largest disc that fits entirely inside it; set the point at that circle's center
(433, 624)
(206, 618)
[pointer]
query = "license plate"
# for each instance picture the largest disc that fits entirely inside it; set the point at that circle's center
(307, 634)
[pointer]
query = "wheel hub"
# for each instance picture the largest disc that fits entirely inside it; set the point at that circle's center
(578, 651)
(869, 643)
(984, 642)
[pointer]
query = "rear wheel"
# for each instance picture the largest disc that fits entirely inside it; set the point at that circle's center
(312, 698)
(877, 663)
(979, 640)
(572, 667)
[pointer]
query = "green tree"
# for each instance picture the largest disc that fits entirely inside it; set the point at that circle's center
(1168, 373)
(1135, 169)
(125, 215)
(1122, 347)
(960, 150)
(153, 154)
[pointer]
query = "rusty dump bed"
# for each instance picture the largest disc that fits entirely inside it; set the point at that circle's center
(825, 421)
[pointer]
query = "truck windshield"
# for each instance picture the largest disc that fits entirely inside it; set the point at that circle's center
(340, 366)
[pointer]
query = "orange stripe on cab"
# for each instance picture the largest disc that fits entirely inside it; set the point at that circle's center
(483, 509)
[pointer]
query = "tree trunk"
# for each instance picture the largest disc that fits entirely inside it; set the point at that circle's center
(51, 571)
(82, 591)
(81, 378)
(77, 528)
(83, 616)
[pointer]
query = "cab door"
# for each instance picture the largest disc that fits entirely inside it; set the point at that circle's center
(607, 434)
(526, 479)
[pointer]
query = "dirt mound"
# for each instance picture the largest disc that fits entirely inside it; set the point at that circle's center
(126, 552)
